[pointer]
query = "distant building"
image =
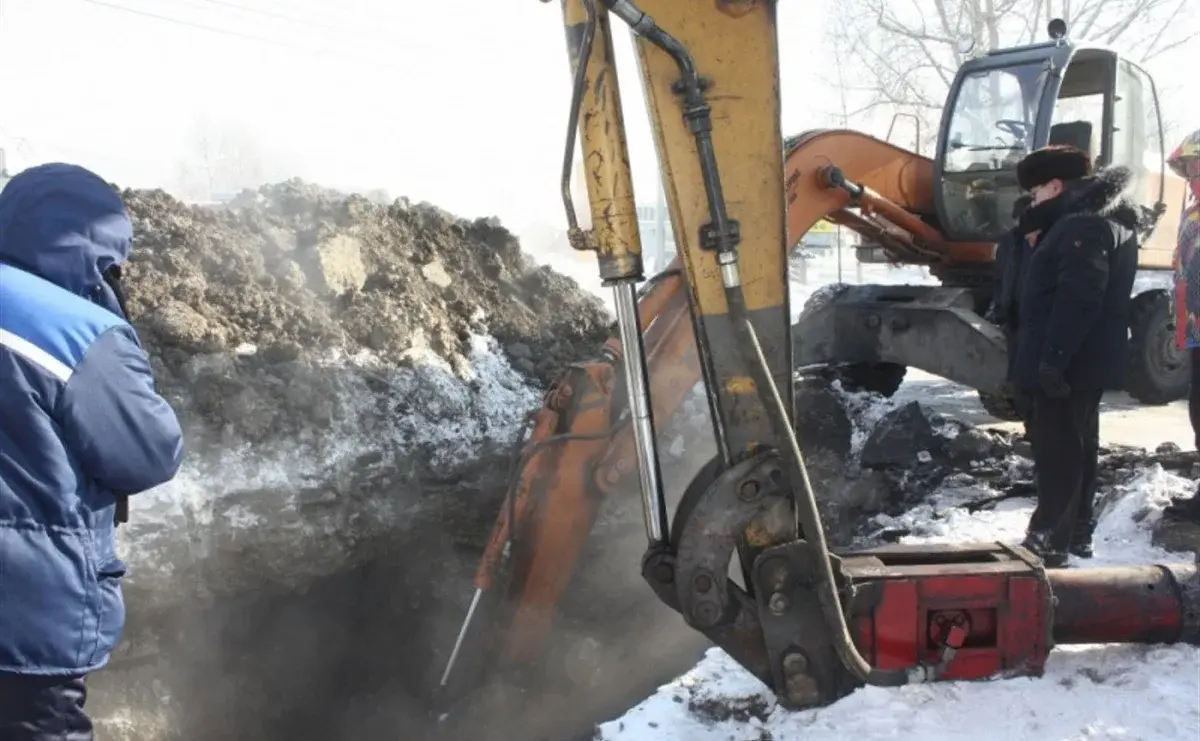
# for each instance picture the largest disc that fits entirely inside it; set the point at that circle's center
(658, 240)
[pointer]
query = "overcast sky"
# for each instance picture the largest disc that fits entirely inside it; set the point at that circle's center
(458, 102)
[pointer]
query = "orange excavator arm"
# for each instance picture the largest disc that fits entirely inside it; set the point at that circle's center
(882, 192)
(578, 453)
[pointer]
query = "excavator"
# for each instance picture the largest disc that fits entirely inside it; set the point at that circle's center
(744, 558)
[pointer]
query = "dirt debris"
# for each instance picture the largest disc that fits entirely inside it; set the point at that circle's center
(720, 709)
(239, 306)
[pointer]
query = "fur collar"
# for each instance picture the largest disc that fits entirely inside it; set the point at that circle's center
(1104, 194)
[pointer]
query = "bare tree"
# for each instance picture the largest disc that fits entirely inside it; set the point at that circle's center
(224, 160)
(903, 53)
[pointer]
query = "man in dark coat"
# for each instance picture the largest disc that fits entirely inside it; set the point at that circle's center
(1072, 335)
(81, 428)
(1010, 253)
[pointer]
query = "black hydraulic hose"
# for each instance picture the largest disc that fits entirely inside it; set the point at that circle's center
(698, 115)
(696, 112)
(577, 92)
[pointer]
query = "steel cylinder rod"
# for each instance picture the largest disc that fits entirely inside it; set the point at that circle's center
(1127, 604)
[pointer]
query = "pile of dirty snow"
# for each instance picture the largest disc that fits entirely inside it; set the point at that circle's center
(243, 307)
(351, 379)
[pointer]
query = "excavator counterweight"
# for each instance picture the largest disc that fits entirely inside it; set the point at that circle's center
(809, 623)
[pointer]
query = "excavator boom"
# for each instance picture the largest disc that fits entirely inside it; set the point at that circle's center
(810, 624)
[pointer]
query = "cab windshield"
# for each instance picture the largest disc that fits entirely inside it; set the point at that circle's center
(994, 116)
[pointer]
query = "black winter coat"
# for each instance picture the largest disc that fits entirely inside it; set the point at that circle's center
(1007, 269)
(1075, 288)
(1011, 250)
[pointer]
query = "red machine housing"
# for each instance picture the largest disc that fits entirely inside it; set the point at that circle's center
(974, 611)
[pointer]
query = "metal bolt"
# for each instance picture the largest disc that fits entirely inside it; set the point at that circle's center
(779, 603)
(802, 688)
(803, 691)
(749, 491)
(702, 583)
(663, 573)
(795, 663)
(705, 613)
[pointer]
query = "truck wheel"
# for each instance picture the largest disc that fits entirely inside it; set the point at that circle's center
(1158, 369)
(877, 378)
(1000, 406)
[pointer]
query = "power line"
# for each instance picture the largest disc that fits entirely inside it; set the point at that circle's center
(232, 33)
(289, 18)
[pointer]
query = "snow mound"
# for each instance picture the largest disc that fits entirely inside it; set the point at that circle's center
(1088, 693)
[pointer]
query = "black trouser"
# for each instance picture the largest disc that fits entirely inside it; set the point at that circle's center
(1194, 395)
(1023, 406)
(1067, 432)
(34, 708)
(1022, 401)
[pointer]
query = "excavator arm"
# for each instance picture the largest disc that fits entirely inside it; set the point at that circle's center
(724, 296)
(683, 328)
(809, 624)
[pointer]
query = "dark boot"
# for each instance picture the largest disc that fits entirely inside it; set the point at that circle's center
(1081, 539)
(1186, 510)
(1039, 544)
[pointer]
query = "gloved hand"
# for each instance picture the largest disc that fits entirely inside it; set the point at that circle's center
(1052, 382)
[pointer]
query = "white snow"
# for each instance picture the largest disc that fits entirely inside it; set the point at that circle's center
(450, 416)
(1088, 693)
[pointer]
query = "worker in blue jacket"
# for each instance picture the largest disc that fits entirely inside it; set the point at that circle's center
(81, 429)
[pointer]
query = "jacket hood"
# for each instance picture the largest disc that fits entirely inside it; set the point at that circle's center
(1104, 194)
(67, 225)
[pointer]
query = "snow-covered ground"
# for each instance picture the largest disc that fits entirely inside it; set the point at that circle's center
(1088, 693)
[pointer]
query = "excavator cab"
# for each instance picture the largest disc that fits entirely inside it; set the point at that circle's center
(1009, 102)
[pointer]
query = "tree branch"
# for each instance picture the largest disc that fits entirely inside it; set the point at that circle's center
(905, 54)
(1091, 12)
(922, 39)
(1154, 51)
(1154, 48)
(1113, 32)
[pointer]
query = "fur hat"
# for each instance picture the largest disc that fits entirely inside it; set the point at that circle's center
(1052, 163)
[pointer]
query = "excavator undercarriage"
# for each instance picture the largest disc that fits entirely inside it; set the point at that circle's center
(810, 624)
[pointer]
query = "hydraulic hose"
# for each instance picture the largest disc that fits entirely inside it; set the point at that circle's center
(578, 88)
(807, 513)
